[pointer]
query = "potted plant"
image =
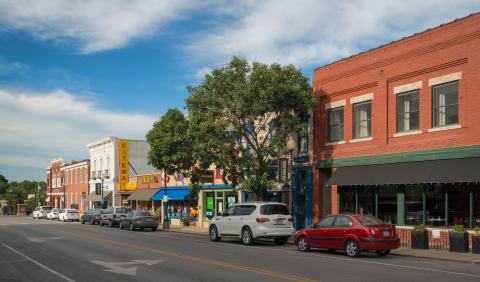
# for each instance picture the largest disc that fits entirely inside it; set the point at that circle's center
(419, 237)
(458, 239)
(476, 241)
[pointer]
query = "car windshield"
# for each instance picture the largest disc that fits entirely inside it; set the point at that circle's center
(368, 220)
(142, 213)
(123, 210)
(47, 208)
(273, 209)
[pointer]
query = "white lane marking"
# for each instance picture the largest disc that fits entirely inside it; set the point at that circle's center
(119, 267)
(37, 263)
(41, 240)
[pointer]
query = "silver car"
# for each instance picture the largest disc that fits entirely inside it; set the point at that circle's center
(253, 220)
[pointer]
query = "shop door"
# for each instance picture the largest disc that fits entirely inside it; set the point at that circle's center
(219, 207)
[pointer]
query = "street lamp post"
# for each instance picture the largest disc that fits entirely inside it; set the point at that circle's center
(291, 146)
(166, 223)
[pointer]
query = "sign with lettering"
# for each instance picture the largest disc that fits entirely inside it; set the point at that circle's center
(123, 163)
(206, 176)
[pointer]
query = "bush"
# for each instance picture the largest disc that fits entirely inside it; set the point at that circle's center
(419, 227)
(458, 228)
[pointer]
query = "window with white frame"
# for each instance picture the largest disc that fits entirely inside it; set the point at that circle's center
(408, 111)
(335, 124)
(362, 120)
(445, 104)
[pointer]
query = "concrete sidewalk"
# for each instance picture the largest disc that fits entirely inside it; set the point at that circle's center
(402, 251)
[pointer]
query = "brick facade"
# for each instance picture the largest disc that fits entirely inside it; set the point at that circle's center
(450, 51)
(55, 183)
(76, 176)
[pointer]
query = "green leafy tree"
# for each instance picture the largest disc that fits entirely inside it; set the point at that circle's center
(3, 186)
(241, 115)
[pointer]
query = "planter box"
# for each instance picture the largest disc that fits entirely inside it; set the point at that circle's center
(476, 244)
(419, 239)
(458, 242)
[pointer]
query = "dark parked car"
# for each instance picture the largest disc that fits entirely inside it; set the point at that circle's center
(138, 219)
(92, 216)
(112, 215)
(352, 233)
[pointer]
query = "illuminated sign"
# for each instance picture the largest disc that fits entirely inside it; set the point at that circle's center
(131, 186)
(123, 163)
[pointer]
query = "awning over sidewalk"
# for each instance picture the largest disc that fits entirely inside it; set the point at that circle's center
(438, 171)
(142, 194)
(173, 194)
(96, 198)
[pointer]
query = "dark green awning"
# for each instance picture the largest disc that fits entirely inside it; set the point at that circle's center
(438, 171)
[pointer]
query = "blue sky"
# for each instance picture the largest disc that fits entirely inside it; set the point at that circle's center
(74, 71)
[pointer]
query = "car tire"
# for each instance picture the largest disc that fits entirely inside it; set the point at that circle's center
(101, 223)
(281, 241)
(213, 234)
(154, 229)
(120, 225)
(131, 227)
(383, 253)
(352, 249)
(247, 236)
(302, 244)
(110, 223)
(83, 221)
(91, 221)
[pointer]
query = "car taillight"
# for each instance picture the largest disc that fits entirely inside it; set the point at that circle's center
(262, 219)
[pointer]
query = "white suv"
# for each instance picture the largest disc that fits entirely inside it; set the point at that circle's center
(253, 220)
(41, 212)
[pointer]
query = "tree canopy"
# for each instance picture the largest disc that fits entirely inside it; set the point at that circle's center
(241, 115)
(170, 144)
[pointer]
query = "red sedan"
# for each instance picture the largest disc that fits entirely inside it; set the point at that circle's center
(349, 232)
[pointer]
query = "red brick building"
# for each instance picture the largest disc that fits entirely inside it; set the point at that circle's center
(76, 179)
(396, 129)
(55, 183)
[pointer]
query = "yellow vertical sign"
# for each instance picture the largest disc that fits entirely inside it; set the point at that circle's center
(123, 163)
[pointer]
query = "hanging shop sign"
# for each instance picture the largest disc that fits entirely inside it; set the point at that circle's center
(123, 163)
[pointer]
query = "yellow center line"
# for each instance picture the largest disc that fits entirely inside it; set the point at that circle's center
(191, 258)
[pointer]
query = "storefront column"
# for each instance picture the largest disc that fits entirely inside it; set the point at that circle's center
(400, 206)
(471, 210)
(446, 207)
(375, 195)
(424, 205)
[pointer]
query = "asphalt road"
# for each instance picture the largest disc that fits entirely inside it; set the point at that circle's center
(39, 250)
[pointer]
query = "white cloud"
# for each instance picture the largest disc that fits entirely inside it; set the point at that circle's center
(97, 25)
(309, 32)
(36, 127)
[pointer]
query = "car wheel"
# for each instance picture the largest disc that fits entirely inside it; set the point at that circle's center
(281, 241)
(154, 229)
(131, 227)
(120, 225)
(110, 223)
(91, 221)
(214, 234)
(101, 223)
(83, 220)
(302, 244)
(383, 253)
(247, 236)
(351, 248)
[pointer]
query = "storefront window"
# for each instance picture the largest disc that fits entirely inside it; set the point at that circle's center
(435, 212)
(366, 201)
(347, 200)
(414, 205)
(209, 204)
(231, 198)
(458, 205)
(387, 204)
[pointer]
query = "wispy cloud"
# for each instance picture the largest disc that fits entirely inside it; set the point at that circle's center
(310, 32)
(13, 67)
(95, 25)
(36, 127)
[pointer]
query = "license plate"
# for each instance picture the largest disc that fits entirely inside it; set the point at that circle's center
(147, 219)
(279, 221)
(386, 233)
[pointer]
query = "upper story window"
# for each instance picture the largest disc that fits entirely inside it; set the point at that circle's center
(335, 124)
(445, 104)
(408, 111)
(303, 139)
(362, 123)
